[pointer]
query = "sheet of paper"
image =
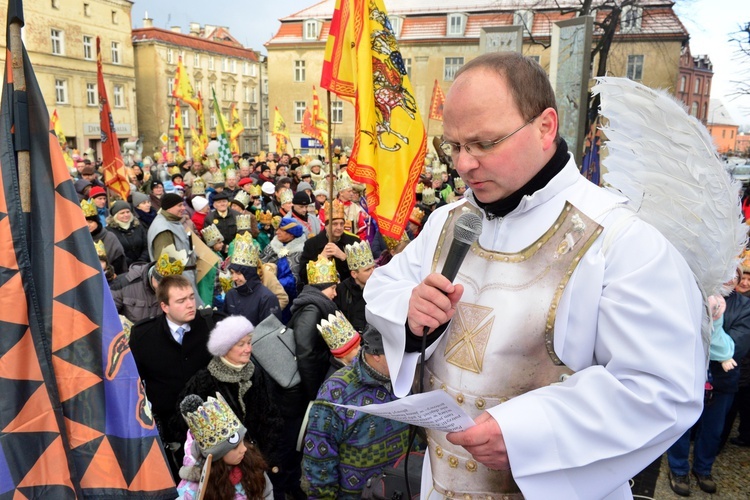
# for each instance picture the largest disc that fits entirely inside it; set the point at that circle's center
(432, 410)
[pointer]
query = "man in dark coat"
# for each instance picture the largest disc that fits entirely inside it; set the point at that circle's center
(168, 350)
(134, 292)
(223, 217)
(319, 245)
(349, 293)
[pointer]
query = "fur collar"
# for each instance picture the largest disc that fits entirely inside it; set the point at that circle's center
(281, 250)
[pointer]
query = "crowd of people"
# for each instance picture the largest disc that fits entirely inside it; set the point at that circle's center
(200, 256)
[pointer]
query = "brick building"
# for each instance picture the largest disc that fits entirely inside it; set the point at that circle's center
(694, 84)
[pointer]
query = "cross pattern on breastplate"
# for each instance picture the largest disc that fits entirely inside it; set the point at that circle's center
(468, 336)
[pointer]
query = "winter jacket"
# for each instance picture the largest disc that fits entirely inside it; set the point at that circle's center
(134, 240)
(252, 300)
(133, 295)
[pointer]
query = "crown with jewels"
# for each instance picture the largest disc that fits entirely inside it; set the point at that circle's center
(213, 424)
(245, 251)
(276, 221)
(359, 255)
(428, 196)
(89, 208)
(211, 235)
(303, 170)
(286, 196)
(225, 281)
(231, 173)
(393, 243)
(344, 182)
(420, 188)
(199, 186)
(100, 250)
(217, 178)
(243, 198)
(338, 210)
(439, 169)
(339, 334)
(416, 216)
(244, 222)
(321, 271)
(265, 217)
(171, 262)
(256, 191)
(459, 183)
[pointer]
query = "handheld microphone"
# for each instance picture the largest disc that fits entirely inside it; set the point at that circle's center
(466, 231)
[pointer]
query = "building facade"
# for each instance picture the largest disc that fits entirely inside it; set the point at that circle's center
(722, 126)
(436, 39)
(694, 85)
(60, 37)
(213, 60)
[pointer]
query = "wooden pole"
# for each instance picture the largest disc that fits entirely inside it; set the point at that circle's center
(330, 170)
(19, 83)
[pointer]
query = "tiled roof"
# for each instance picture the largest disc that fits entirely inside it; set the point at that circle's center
(425, 20)
(142, 35)
(719, 115)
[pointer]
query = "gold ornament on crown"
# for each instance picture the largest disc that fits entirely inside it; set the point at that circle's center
(303, 170)
(212, 423)
(344, 182)
(245, 251)
(199, 186)
(286, 196)
(416, 216)
(265, 218)
(225, 281)
(339, 210)
(428, 196)
(244, 222)
(217, 178)
(211, 235)
(89, 208)
(339, 334)
(100, 250)
(171, 261)
(420, 188)
(321, 271)
(276, 221)
(256, 191)
(231, 173)
(359, 255)
(242, 197)
(459, 183)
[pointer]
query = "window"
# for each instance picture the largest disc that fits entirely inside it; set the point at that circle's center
(724, 134)
(683, 83)
(87, 10)
(397, 23)
(254, 94)
(119, 95)
(246, 92)
(524, 18)
(694, 109)
(170, 56)
(213, 120)
(58, 42)
(299, 111)
(707, 87)
(697, 86)
(225, 64)
(198, 87)
(55, 4)
(635, 67)
(233, 66)
(299, 71)
(456, 24)
(170, 85)
(535, 58)
(337, 111)
(91, 99)
(116, 53)
(186, 117)
(630, 19)
(705, 110)
(61, 91)
(246, 119)
(211, 63)
(115, 19)
(197, 60)
(88, 47)
(407, 65)
(224, 91)
(253, 120)
(452, 64)
(311, 29)
(253, 70)
(171, 118)
(245, 68)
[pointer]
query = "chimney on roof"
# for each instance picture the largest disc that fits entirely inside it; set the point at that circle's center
(175, 29)
(195, 29)
(147, 21)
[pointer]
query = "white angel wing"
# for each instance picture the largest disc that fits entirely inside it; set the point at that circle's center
(664, 160)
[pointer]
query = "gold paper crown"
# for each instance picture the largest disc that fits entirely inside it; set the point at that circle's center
(231, 173)
(338, 210)
(89, 208)
(303, 170)
(243, 198)
(100, 250)
(428, 196)
(339, 334)
(438, 169)
(217, 178)
(459, 183)
(245, 251)
(321, 271)
(174, 170)
(359, 255)
(199, 186)
(286, 196)
(244, 163)
(265, 217)
(212, 423)
(171, 261)
(420, 188)
(344, 182)
(225, 280)
(244, 222)
(276, 221)
(416, 216)
(256, 191)
(211, 235)
(393, 243)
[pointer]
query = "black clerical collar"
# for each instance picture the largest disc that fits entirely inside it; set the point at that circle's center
(503, 207)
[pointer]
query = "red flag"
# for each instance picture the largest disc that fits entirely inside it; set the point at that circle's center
(74, 421)
(115, 177)
(436, 104)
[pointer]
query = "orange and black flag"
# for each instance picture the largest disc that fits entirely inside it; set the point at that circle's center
(74, 422)
(437, 102)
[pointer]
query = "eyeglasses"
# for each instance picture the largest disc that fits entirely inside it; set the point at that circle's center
(478, 149)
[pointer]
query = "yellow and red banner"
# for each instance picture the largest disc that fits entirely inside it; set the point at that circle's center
(319, 121)
(57, 127)
(115, 176)
(363, 64)
(437, 102)
(281, 133)
(179, 132)
(182, 89)
(235, 128)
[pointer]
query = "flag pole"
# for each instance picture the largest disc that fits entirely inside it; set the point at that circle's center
(19, 84)
(330, 170)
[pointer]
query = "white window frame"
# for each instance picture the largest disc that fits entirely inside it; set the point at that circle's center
(170, 85)
(253, 69)
(694, 109)
(115, 49)
(233, 66)
(630, 19)
(87, 9)
(211, 63)
(118, 95)
(299, 70)
(635, 67)
(198, 87)
(246, 92)
(299, 111)
(456, 25)
(213, 120)
(683, 83)
(92, 98)
(57, 37)
(450, 66)
(196, 60)
(61, 91)
(246, 68)
(88, 47)
(115, 18)
(407, 65)
(171, 121)
(337, 111)
(224, 64)
(170, 56)
(697, 85)
(186, 118)
(253, 119)
(55, 4)
(524, 18)
(254, 94)
(312, 29)
(397, 23)
(246, 119)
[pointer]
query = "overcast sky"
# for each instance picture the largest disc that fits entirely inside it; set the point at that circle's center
(254, 22)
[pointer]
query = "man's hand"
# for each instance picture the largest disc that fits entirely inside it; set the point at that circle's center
(432, 303)
(485, 442)
(729, 364)
(331, 250)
